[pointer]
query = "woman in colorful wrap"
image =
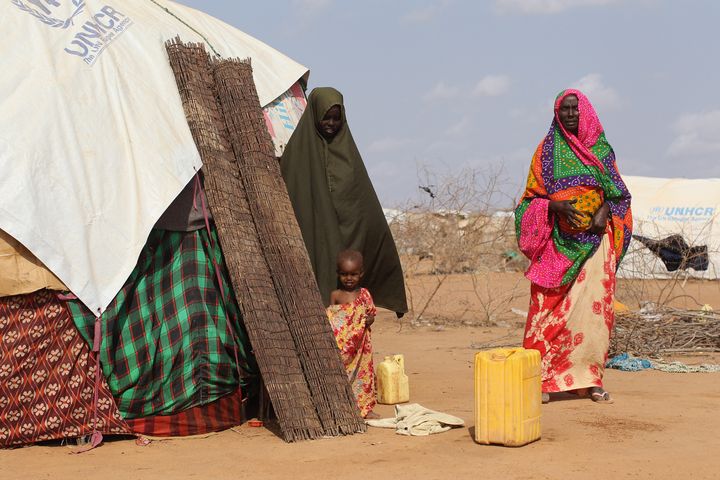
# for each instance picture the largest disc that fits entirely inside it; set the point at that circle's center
(335, 203)
(574, 224)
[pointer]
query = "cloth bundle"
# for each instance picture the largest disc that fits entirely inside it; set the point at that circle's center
(415, 420)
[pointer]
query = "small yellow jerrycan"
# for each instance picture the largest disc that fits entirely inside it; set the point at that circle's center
(392, 383)
(507, 396)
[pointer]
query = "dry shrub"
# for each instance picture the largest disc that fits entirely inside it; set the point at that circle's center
(457, 238)
(456, 228)
(643, 279)
(661, 331)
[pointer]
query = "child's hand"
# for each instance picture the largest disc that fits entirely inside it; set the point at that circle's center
(369, 321)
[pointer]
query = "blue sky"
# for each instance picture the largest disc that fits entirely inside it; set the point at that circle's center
(454, 84)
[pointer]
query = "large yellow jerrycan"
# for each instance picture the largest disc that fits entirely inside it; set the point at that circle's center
(392, 383)
(507, 396)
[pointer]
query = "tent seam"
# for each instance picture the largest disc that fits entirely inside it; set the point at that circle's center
(167, 10)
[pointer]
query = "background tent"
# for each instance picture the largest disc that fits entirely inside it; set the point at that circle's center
(664, 208)
(94, 144)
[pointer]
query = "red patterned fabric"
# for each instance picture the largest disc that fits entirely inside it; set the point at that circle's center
(570, 325)
(353, 339)
(47, 375)
(219, 415)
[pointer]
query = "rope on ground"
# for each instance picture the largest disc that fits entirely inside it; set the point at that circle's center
(679, 367)
(627, 363)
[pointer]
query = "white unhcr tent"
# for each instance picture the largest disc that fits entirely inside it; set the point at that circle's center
(673, 206)
(94, 144)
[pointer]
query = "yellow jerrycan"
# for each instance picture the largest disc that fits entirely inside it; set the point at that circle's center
(392, 383)
(507, 396)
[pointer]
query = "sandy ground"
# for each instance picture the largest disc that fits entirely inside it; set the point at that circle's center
(662, 426)
(491, 297)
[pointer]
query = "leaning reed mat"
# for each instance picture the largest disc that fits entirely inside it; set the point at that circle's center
(284, 249)
(272, 342)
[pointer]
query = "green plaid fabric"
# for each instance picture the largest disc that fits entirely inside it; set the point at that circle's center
(166, 342)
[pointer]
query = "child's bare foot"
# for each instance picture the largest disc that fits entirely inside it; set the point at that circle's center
(371, 416)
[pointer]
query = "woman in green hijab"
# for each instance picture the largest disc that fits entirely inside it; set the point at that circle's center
(335, 203)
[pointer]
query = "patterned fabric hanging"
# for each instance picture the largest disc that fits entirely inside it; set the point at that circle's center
(47, 375)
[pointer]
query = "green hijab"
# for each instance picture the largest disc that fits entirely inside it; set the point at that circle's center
(336, 205)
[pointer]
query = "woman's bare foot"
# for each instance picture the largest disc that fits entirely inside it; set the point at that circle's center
(599, 395)
(545, 397)
(371, 416)
(596, 394)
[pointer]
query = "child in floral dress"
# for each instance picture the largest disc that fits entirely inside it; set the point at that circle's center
(351, 313)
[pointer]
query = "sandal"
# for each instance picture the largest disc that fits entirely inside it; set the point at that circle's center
(598, 395)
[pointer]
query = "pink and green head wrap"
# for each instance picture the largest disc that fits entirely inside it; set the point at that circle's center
(578, 167)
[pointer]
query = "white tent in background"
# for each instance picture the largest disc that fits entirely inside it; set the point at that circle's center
(94, 144)
(673, 206)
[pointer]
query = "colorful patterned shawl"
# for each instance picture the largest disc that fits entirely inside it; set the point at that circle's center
(566, 167)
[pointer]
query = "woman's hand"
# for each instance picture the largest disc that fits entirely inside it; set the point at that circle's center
(566, 210)
(369, 321)
(600, 219)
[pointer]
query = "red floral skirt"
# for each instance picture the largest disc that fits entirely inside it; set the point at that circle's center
(571, 325)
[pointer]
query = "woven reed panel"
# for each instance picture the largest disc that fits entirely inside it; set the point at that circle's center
(272, 341)
(284, 249)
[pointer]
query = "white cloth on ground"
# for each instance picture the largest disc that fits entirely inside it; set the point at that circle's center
(416, 420)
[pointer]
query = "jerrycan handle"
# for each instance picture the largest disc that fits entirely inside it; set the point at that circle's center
(398, 360)
(501, 356)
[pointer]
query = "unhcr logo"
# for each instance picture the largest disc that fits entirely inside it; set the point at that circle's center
(92, 37)
(684, 211)
(52, 12)
(681, 214)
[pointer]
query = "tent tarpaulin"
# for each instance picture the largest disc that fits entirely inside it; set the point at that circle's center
(663, 207)
(283, 115)
(94, 144)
